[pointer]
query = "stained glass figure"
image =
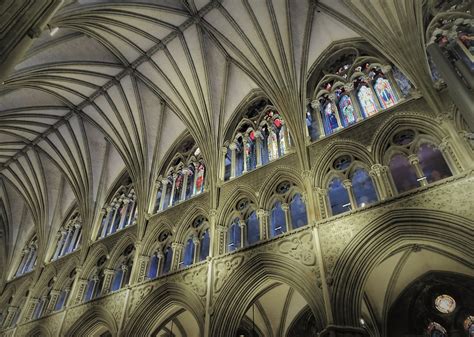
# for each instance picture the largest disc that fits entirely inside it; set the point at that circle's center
(384, 92)
(346, 110)
(329, 119)
(272, 145)
(200, 178)
(366, 100)
(432, 163)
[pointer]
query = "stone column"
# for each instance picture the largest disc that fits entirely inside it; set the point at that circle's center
(233, 161)
(335, 110)
(142, 267)
(173, 189)
(322, 196)
(317, 107)
(163, 194)
(222, 239)
(60, 241)
(23, 261)
(379, 183)
(244, 150)
(223, 152)
(123, 216)
(258, 149)
(67, 242)
(348, 186)
(263, 221)
(243, 233)
(11, 313)
(30, 309)
(185, 184)
(75, 237)
(108, 278)
(415, 161)
(177, 254)
(285, 207)
(81, 286)
(52, 301)
(458, 91)
(196, 249)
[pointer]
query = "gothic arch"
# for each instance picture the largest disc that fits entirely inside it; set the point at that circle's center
(379, 239)
(93, 256)
(241, 191)
(151, 237)
(400, 121)
(185, 223)
(330, 153)
(279, 174)
(246, 283)
(126, 240)
(93, 321)
(39, 331)
(64, 273)
(42, 283)
(152, 311)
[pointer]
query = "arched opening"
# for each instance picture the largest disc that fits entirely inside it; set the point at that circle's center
(179, 322)
(278, 310)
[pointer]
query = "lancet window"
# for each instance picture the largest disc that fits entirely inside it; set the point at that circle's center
(183, 178)
(197, 244)
(355, 87)
(69, 236)
(95, 280)
(416, 161)
(350, 185)
(120, 212)
(288, 210)
(64, 293)
(28, 257)
(43, 301)
(161, 259)
(244, 227)
(123, 269)
(260, 137)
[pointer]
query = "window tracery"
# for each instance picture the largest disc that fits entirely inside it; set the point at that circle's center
(120, 212)
(353, 88)
(123, 269)
(244, 228)
(350, 185)
(259, 138)
(43, 301)
(69, 236)
(161, 259)
(415, 160)
(197, 244)
(183, 178)
(28, 258)
(65, 291)
(95, 280)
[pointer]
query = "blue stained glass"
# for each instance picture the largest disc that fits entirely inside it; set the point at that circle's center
(89, 291)
(403, 173)
(298, 214)
(153, 269)
(117, 282)
(61, 301)
(363, 188)
(402, 81)
(228, 164)
(38, 309)
(432, 163)
(338, 197)
(277, 220)
(168, 258)
(329, 119)
(188, 256)
(157, 201)
(234, 236)
(346, 110)
(204, 245)
(253, 229)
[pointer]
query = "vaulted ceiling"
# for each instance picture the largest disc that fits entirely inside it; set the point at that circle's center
(120, 81)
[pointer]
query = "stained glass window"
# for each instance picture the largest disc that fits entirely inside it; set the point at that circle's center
(366, 100)
(204, 245)
(363, 188)
(403, 173)
(298, 215)
(253, 229)
(188, 256)
(445, 304)
(436, 330)
(338, 197)
(346, 111)
(402, 81)
(234, 236)
(384, 92)
(432, 163)
(329, 119)
(153, 267)
(168, 258)
(277, 220)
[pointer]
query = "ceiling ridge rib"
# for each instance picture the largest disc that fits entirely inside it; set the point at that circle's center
(128, 69)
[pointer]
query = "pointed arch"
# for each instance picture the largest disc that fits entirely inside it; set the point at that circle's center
(153, 309)
(92, 321)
